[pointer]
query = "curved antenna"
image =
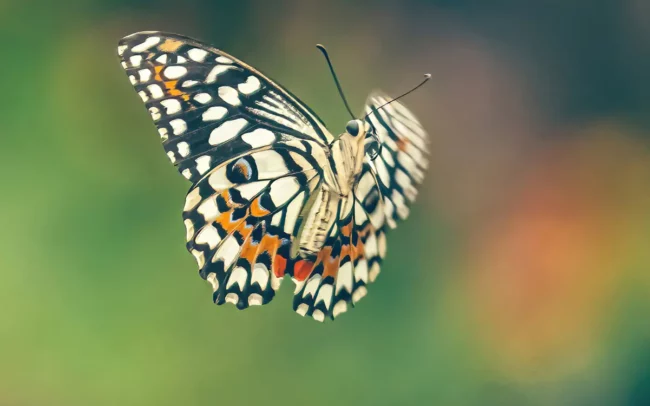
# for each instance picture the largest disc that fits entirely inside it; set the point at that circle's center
(336, 80)
(427, 76)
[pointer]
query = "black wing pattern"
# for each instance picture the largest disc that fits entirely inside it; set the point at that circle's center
(352, 255)
(253, 152)
(403, 159)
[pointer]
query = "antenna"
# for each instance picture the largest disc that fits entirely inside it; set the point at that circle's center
(427, 76)
(336, 80)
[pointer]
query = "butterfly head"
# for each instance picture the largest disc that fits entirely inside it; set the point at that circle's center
(363, 136)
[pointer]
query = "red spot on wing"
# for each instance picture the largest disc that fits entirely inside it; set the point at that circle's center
(302, 269)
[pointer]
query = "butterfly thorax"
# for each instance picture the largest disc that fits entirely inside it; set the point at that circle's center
(345, 164)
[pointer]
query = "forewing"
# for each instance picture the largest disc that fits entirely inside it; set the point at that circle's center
(400, 166)
(209, 106)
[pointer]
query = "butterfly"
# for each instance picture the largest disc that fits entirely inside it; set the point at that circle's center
(273, 192)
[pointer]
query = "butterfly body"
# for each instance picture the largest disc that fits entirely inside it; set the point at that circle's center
(273, 192)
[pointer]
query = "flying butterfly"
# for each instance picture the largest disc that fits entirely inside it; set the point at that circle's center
(273, 192)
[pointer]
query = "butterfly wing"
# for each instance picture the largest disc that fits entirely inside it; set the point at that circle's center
(400, 166)
(349, 260)
(200, 98)
(253, 152)
(351, 257)
(242, 218)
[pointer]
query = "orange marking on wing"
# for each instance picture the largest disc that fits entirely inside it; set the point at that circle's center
(346, 230)
(271, 244)
(279, 266)
(170, 85)
(402, 144)
(302, 269)
(170, 45)
(249, 251)
(157, 69)
(173, 91)
(257, 210)
(224, 220)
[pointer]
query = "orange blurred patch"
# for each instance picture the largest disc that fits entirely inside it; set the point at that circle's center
(544, 270)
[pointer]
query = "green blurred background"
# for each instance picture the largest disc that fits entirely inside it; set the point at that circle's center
(521, 277)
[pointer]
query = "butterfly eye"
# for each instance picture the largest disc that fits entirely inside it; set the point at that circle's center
(352, 128)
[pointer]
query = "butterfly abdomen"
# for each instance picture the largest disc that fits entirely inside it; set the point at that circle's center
(319, 222)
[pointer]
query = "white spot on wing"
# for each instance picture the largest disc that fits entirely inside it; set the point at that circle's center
(192, 199)
(175, 72)
(318, 315)
(208, 209)
(344, 278)
(179, 126)
(312, 286)
(270, 164)
(218, 180)
(172, 106)
(212, 278)
(254, 299)
(197, 54)
(292, 213)
(156, 91)
(183, 149)
(232, 298)
(251, 85)
(302, 309)
(208, 235)
(260, 275)
(277, 217)
(155, 113)
(148, 43)
(214, 113)
(340, 307)
(259, 138)
(381, 244)
(189, 83)
(361, 271)
(135, 60)
(283, 189)
(364, 186)
(189, 229)
(228, 251)
(223, 59)
(203, 98)
(215, 72)
(239, 276)
(324, 295)
(203, 164)
(200, 259)
(374, 271)
(229, 95)
(145, 75)
(227, 131)
(359, 294)
(250, 190)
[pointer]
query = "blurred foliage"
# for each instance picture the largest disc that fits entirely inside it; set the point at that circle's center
(521, 277)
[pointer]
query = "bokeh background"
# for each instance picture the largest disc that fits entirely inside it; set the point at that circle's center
(521, 277)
